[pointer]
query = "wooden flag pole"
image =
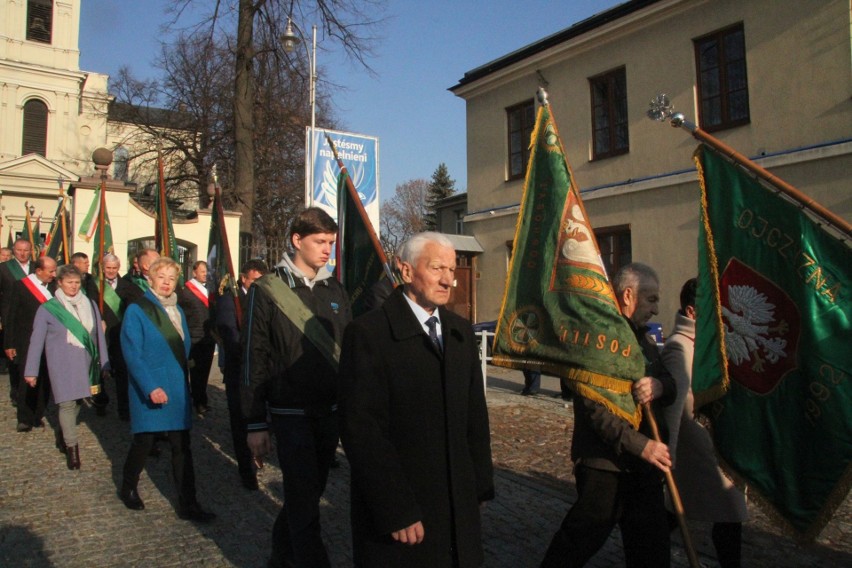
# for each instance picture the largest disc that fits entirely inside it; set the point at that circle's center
(661, 109)
(102, 229)
(675, 494)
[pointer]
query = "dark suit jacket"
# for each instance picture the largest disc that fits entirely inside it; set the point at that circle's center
(198, 317)
(414, 426)
(132, 291)
(7, 280)
(229, 334)
(19, 324)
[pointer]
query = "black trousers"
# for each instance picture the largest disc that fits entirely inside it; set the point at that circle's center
(634, 501)
(182, 468)
(32, 401)
(306, 447)
(238, 426)
(201, 355)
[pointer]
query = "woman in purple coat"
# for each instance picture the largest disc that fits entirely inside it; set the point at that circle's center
(68, 330)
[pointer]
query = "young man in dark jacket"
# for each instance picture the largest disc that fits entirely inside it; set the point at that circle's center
(294, 325)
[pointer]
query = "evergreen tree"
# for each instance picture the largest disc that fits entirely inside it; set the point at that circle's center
(441, 186)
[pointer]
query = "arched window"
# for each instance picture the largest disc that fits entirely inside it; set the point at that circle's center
(35, 128)
(40, 20)
(120, 160)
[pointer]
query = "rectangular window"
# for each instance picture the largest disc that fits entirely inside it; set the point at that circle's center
(521, 120)
(460, 221)
(609, 114)
(720, 60)
(616, 248)
(39, 20)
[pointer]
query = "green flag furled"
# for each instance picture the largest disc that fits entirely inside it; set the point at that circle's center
(164, 234)
(772, 340)
(361, 261)
(96, 225)
(56, 244)
(358, 265)
(559, 312)
(29, 233)
(220, 266)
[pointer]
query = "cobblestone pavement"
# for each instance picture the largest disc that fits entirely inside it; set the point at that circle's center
(53, 517)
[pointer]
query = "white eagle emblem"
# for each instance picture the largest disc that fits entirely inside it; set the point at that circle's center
(748, 333)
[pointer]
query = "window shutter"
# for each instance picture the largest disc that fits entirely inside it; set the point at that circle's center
(35, 128)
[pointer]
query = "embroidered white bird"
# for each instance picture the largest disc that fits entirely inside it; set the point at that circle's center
(747, 331)
(328, 184)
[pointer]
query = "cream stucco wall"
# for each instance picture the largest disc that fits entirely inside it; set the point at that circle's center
(799, 91)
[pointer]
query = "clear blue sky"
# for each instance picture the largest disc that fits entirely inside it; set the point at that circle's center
(427, 47)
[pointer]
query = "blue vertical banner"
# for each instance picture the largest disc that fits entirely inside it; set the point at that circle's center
(360, 155)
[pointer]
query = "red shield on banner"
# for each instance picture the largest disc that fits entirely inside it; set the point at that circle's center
(761, 328)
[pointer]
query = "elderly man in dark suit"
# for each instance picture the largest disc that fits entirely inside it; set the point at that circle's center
(415, 423)
(14, 269)
(27, 295)
(118, 294)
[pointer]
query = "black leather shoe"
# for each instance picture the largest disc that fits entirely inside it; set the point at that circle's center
(196, 513)
(131, 499)
(527, 392)
(23, 427)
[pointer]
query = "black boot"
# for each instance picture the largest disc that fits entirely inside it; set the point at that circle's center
(72, 455)
(131, 499)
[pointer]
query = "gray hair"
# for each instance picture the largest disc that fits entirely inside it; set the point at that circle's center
(633, 276)
(109, 257)
(67, 270)
(411, 249)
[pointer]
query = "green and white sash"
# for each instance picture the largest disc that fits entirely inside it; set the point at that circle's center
(111, 298)
(295, 310)
(72, 324)
(16, 270)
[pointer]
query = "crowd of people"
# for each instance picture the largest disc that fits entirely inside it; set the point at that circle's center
(400, 387)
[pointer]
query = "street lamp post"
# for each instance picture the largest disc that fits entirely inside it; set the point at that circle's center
(289, 41)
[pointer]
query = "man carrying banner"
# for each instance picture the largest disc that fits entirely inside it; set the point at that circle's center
(619, 469)
(294, 325)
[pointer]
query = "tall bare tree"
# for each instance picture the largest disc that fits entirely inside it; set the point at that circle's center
(350, 23)
(404, 214)
(195, 122)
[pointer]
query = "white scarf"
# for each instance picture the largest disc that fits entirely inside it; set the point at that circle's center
(170, 305)
(79, 307)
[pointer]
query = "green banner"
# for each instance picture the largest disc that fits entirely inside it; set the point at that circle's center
(358, 262)
(773, 340)
(559, 312)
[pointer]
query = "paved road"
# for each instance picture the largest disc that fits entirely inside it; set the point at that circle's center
(53, 517)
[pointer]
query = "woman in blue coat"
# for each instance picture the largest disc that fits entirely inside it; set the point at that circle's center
(155, 342)
(67, 329)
